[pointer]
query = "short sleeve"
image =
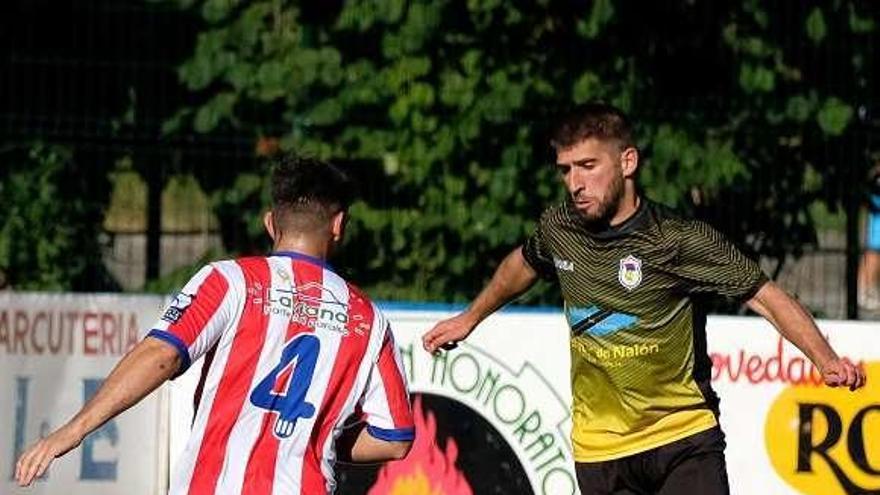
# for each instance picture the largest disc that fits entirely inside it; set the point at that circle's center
(385, 402)
(195, 319)
(537, 255)
(709, 263)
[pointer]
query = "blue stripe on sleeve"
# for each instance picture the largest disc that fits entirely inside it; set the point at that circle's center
(391, 435)
(178, 344)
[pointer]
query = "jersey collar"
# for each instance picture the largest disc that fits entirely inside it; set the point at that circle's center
(304, 257)
(635, 222)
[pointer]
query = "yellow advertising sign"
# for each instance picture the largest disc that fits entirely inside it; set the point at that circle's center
(826, 441)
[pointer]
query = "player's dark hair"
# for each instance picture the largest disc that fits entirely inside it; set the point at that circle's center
(307, 192)
(593, 120)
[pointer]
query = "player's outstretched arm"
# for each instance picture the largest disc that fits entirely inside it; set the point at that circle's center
(140, 372)
(513, 277)
(793, 321)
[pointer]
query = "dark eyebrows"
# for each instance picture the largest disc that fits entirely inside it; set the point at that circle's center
(585, 161)
(578, 163)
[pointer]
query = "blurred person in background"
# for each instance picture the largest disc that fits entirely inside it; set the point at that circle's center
(291, 351)
(869, 268)
(633, 274)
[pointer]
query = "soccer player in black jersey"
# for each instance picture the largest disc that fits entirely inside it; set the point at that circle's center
(631, 273)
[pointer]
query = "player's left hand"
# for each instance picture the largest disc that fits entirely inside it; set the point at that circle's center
(36, 459)
(843, 373)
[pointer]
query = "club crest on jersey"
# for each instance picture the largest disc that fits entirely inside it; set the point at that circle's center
(177, 307)
(630, 273)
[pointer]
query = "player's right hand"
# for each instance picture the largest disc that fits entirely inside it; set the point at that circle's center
(36, 459)
(448, 333)
(843, 373)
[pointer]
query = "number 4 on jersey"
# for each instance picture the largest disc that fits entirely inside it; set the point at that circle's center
(301, 353)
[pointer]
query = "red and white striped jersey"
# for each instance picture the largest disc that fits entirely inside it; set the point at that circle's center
(294, 350)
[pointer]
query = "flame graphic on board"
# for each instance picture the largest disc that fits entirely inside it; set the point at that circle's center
(427, 470)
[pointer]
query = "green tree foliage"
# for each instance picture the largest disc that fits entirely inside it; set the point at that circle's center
(50, 221)
(442, 107)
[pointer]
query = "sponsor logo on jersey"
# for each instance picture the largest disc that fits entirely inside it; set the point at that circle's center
(563, 265)
(597, 321)
(310, 304)
(177, 308)
(630, 273)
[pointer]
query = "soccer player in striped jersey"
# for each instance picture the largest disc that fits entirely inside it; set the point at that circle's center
(633, 275)
(292, 351)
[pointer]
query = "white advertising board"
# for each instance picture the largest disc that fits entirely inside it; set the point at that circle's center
(786, 433)
(775, 410)
(54, 352)
(514, 372)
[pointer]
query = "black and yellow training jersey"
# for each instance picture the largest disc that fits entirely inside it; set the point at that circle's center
(639, 369)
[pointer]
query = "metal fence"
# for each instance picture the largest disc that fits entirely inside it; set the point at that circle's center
(100, 76)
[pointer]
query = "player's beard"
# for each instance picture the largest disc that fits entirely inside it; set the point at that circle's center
(608, 205)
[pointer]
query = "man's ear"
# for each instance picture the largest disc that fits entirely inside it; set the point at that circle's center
(337, 227)
(269, 224)
(629, 161)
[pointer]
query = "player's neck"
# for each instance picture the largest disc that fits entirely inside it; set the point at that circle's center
(308, 245)
(628, 206)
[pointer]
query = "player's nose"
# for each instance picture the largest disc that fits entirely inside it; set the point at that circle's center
(576, 180)
(577, 189)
